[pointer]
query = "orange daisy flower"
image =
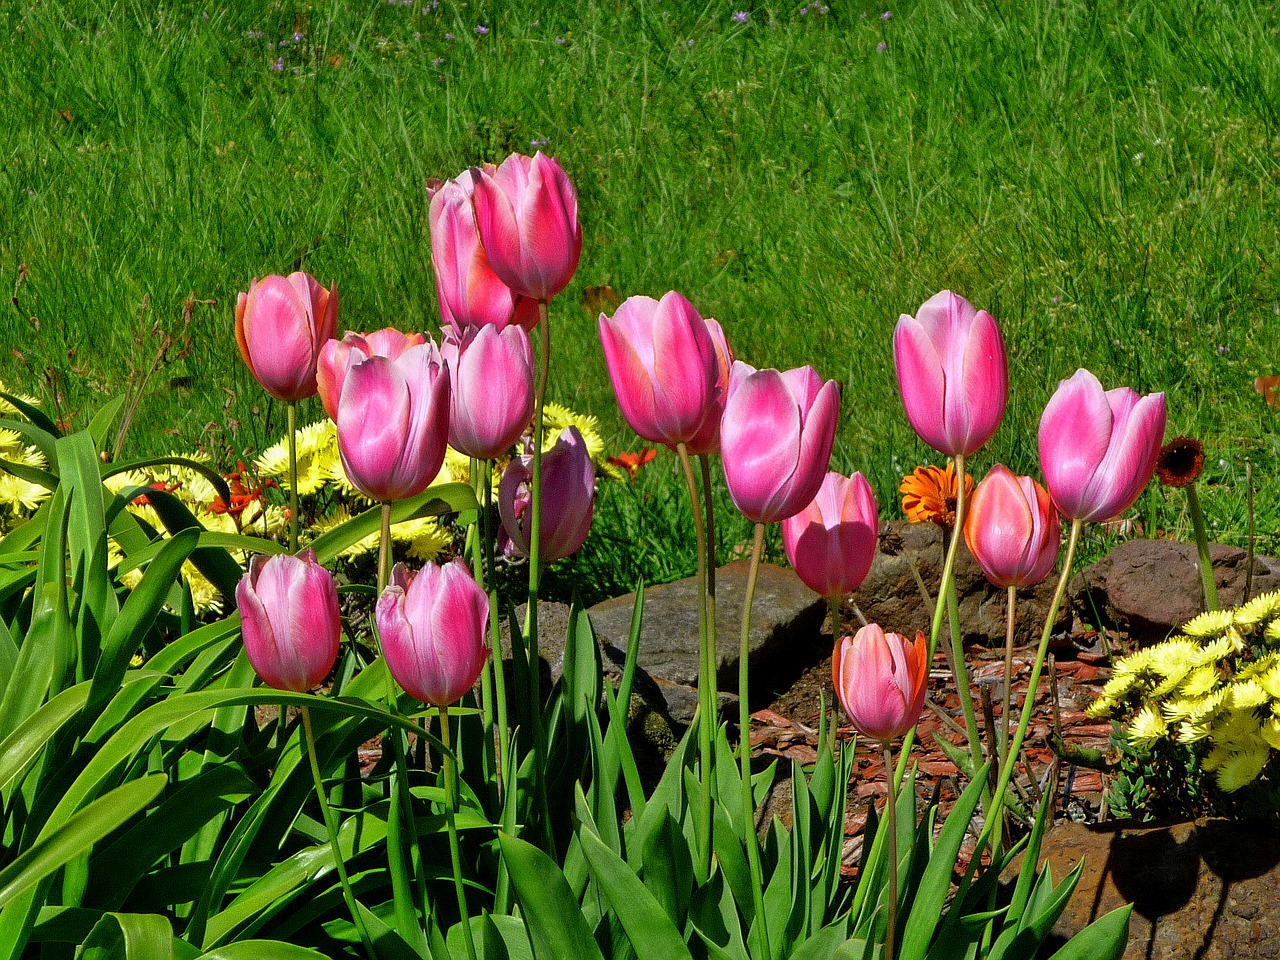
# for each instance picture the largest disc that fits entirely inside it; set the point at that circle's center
(929, 493)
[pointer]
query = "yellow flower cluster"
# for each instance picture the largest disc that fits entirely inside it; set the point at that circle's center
(1217, 683)
(18, 497)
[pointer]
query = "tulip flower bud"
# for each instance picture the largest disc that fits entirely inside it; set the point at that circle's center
(338, 356)
(431, 626)
(1012, 529)
(1098, 448)
(832, 541)
(568, 496)
(881, 680)
(290, 620)
(527, 215)
(281, 325)
(952, 373)
(491, 383)
(775, 439)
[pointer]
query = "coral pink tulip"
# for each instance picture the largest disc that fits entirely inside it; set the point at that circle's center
(338, 356)
(281, 325)
(491, 387)
(952, 373)
(290, 621)
(568, 497)
(775, 439)
(832, 541)
(881, 679)
(431, 625)
(662, 362)
(469, 292)
(1098, 448)
(1012, 529)
(707, 439)
(527, 215)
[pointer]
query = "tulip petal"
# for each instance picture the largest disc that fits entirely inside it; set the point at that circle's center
(632, 383)
(1075, 431)
(977, 398)
(760, 436)
(920, 381)
(1131, 456)
(373, 426)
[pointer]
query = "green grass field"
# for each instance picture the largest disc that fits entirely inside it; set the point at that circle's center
(1100, 176)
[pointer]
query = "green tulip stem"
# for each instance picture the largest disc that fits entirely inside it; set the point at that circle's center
(833, 613)
(706, 673)
(1202, 548)
(291, 413)
(960, 670)
(708, 502)
(495, 625)
(450, 805)
(891, 817)
(1011, 617)
(331, 825)
(475, 547)
(384, 548)
(744, 749)
(949, 564)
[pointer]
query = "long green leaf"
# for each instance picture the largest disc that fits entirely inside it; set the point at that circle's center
(218, 566)
(556, 926)
(1104, 939)
(130, 936)
(218, 481)
(436, 500)
(261, 950)
(33, 734)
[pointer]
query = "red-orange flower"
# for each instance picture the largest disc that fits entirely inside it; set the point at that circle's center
(929, 493)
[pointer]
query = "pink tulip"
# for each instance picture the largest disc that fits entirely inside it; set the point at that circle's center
(431, 625)
(281, 324)
(832, 541)
(881, 679)
(527, 215)
(952, 373)
(775, 438)
(290, 621)
(662, 362)
(1098, 448)
(568, 495)
(393, 422)
(1012, 529)
(469, 292)
(491, 380)
(707, 439)
(338, 356)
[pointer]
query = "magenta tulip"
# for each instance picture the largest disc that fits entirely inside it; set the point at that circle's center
(881, 679)
(952, 373)
(832, 541)
(290, 620)
(568, 495)
(491, 385)
(527, 215)
(662, 362)
(281, 325)
(469, 292)
(707, 439)
(338, 356)
(1012, 529)
(1098, 448)
(431, 626)
(775, 439)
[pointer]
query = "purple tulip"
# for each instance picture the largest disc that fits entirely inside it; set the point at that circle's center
(1012, 529)
(281, 325)
(568, 495)
(952, 373)
(832, 541)
(881, 679)
(775, 439)
(491, 382)
(431, 625)
(1098, 448)
(290, 621)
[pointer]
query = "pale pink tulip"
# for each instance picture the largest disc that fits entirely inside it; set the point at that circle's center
(832, 541)
(1098, 448)
(431, 626)
(775, 439)
(881, 680)
(568, 497)
(290, 620)
(662, 362)
(281, 325)
(1012, 529)
(491, 382)
(338, 356)
(952, 373)
(527, 215)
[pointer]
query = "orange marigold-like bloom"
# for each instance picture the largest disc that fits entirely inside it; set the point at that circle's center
(929, 493)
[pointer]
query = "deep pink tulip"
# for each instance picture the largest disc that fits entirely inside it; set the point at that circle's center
(338, 356)
(431, 625)
(881, 680)
(775, 439)
(707, 439)
(568, 497)
(662, 362)
(1098, 448)
(1012, 529)
(469, 292)
(290, 621)
(393, 422)
(527, 215)
(281, 324)
(491, 383)
(952, 373)
(832, 541)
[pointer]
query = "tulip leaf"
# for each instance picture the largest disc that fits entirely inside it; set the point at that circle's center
(130, 936)
(555, 922)
(218, 481)
(434, 501)
(261, 950)
(101, 422)
(1104, 939)
(215, 563)
(23, 471)
(36, 731)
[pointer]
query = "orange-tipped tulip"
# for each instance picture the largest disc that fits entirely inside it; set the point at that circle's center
(281, 325)
(881, 680)
(1012, 529)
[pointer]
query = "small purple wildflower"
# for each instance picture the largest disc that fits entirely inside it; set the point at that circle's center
(804, 11)
(298, 36)
(561, 41)
(449, 38)
(437, 61)
(539, 143)
(481, 29)
(1055, 299)
(297, 71)
(254, 34)
(741, 16)
(1223, 349)
(284, 43)
(881, 47)
(689, 43)
(278, 65)
(887, 15)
